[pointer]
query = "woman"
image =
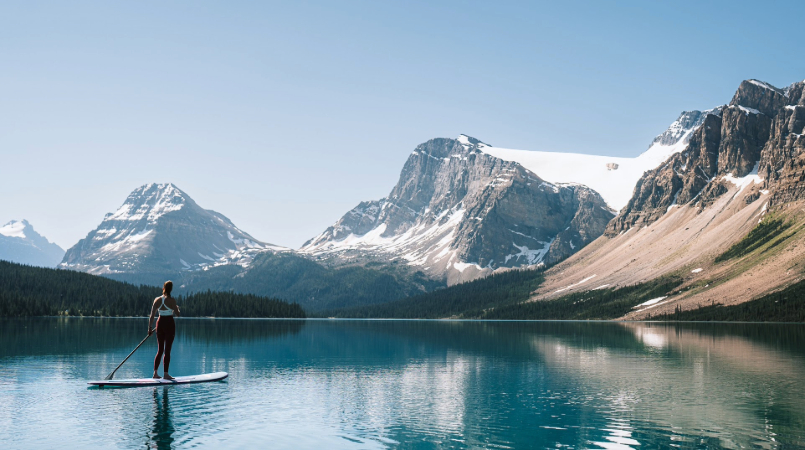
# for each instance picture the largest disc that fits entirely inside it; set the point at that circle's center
(166, 307)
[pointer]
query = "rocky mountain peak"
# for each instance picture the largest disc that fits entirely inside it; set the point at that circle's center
(683, 126)
(759, 96)
(150, 202)
(459, 212)
(159, 228)
(15, 228)
(752, 143)
(795, 92)
(468, 140)
(20, 243)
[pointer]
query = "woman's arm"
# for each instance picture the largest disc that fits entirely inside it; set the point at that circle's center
(151, 317)
(176, 311)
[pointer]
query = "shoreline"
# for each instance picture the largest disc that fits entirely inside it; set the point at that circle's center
(333, 319)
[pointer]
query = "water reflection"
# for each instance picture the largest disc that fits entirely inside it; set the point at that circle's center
(718, 388)
(161, 436)
(77, 335)
(419, 384)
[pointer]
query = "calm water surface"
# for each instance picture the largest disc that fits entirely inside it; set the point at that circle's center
(322, 384)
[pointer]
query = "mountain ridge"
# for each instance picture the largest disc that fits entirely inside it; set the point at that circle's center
(159, 228)
(428, 213)
(463, 209)
(612, 177)
(20, 243)
(458, 212)
(741, 167)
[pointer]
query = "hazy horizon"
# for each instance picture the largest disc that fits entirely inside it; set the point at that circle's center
(284, 117)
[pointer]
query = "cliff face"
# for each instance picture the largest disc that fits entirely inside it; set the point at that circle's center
(744, 161)
(754, 136)
(456, 207)
(761, 96)
(781, 162)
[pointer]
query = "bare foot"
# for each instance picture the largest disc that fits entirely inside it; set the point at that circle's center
(167, 377)
(155, 375)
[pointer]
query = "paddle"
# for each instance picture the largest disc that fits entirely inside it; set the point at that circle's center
(109, 377)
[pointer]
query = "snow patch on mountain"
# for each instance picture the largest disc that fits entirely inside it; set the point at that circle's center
(742, 182)
(423, 243)
(747, 110)
(615, 185)
(574, 285)
(764, 85)
(15, 229)
(461, 267)
(152, 202)
(530, 256)
(590, 170)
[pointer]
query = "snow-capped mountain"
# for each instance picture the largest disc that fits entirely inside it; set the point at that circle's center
(463, 208)
(613, 178)
(461, 212)
(738, 181)
(159, 228)
(21, 244)
(722, 153)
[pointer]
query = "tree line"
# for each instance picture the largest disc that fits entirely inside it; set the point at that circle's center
(770, 227)
(465, 300)
(36, 291)
(505, 296)
(787, 305)
(588, 305)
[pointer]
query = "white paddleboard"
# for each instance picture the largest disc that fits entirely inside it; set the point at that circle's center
(203, 378)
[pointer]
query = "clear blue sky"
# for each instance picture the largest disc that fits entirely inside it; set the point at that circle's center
(282, 116)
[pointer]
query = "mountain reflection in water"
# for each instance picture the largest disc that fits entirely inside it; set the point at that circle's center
(407, 384)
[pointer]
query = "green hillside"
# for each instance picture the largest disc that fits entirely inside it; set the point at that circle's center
(787, 305)
(465, 300)
(587, 305)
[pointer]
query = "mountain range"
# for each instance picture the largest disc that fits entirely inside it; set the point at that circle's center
(460, 210)
(160, 233)
(463, 209)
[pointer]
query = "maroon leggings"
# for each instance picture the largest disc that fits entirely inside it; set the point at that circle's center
(166, 331)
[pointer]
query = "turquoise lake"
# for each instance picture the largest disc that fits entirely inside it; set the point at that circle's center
(356, 384)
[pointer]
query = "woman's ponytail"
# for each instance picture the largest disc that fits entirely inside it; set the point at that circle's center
(167, 288)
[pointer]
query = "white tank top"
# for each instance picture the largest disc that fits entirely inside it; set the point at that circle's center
(164, 312)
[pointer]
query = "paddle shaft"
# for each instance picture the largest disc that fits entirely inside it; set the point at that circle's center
(109, 377)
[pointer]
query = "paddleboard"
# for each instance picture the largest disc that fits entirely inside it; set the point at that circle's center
(134, 382)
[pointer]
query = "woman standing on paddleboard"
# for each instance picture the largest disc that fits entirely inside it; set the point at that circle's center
(166, 307)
